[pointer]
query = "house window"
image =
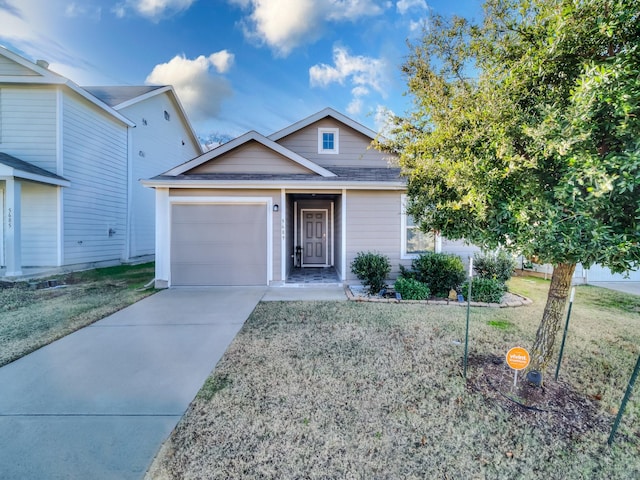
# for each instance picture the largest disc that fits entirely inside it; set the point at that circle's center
(415, 241)
(328, 140)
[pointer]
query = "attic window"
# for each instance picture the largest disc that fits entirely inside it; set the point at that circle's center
(328, 140)
(167, 117)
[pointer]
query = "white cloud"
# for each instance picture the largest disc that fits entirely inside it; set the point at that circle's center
(74, 9)
(222, 60)
(200, 92)
(404, 6)
(383, 120)
(286, 24)
(154, 10)
(355, 107)
(361, 71)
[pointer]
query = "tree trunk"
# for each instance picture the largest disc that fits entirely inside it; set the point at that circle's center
(552, 317)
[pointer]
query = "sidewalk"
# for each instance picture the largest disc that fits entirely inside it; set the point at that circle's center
(98, 403)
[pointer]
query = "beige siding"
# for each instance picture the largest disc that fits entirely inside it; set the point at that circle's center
(251, 158)
(354, 147)
(28, 125)
(273, 193)
(11, 68)
(374, 225)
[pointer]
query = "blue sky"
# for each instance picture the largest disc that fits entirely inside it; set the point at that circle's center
(237, 65)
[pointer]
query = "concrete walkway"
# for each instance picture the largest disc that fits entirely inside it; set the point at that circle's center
(98, 403)
(626, 287)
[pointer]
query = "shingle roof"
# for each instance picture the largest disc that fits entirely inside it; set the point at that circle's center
(343, 174)
(116, 95)
(27, 167)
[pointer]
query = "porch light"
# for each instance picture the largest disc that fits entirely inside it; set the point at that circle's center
(276, 207)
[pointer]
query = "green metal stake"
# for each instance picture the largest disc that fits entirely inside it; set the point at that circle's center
(627, 394)
(566, 328)
(466, 337)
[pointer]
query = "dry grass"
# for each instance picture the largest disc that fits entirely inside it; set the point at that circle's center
(363, 390)
(31, 318)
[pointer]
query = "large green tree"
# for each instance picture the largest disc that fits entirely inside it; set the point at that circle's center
(525, 134)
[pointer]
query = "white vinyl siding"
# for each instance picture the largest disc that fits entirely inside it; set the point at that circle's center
(354, 151)
(251, 158)
(373, 225)
(39, 225)
(10, 68)
(95, 153)
(163, 145)
(28, 122)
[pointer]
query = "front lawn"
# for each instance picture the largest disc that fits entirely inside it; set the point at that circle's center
(371, 390)
(31, 317)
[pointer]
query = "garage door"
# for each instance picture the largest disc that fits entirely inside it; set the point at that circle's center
(598, 273)
(219, 244)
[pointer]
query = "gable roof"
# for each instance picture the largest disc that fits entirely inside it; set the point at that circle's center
(117, 95)
(122, 96)
(327, 112)
(14, 167)
(241, 140)
(44, 76)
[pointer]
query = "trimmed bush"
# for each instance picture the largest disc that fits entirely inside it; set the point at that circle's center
(487, 290)
(499, 266)
(372, 270)
(440, 271)
(412, 289)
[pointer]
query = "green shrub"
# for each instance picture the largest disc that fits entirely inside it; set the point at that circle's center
(499, 266)
(487, 290)
(440, 271)
(412, 289)
(372, 270)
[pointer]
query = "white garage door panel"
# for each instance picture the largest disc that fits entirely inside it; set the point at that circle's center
(598, 273)
(219, 244)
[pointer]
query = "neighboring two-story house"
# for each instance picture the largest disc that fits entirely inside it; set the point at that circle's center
(312, 195)
(70, 163)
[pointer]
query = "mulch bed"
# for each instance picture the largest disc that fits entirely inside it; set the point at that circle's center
(555, 405)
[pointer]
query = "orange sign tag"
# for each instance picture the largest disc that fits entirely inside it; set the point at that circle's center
(518, 358)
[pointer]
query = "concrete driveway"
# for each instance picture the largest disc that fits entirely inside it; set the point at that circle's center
(98, 403)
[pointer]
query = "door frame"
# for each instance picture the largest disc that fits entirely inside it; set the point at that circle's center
(328, 246)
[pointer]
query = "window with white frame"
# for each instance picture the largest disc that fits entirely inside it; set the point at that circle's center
(328, 139)
(414, 240)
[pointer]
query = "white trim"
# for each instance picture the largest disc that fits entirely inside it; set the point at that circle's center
(283, 236)
(129, 233)
(326, 241)
(336, 141)
(60, 226)
(333, 233)
(403, 234)
(205, 200)
(327, 112)
(344, 235)
(277, 184)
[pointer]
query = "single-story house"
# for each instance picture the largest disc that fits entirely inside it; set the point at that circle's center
(70, 162)
(257, 208)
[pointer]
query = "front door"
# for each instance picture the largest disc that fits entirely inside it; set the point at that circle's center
(314, 237)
